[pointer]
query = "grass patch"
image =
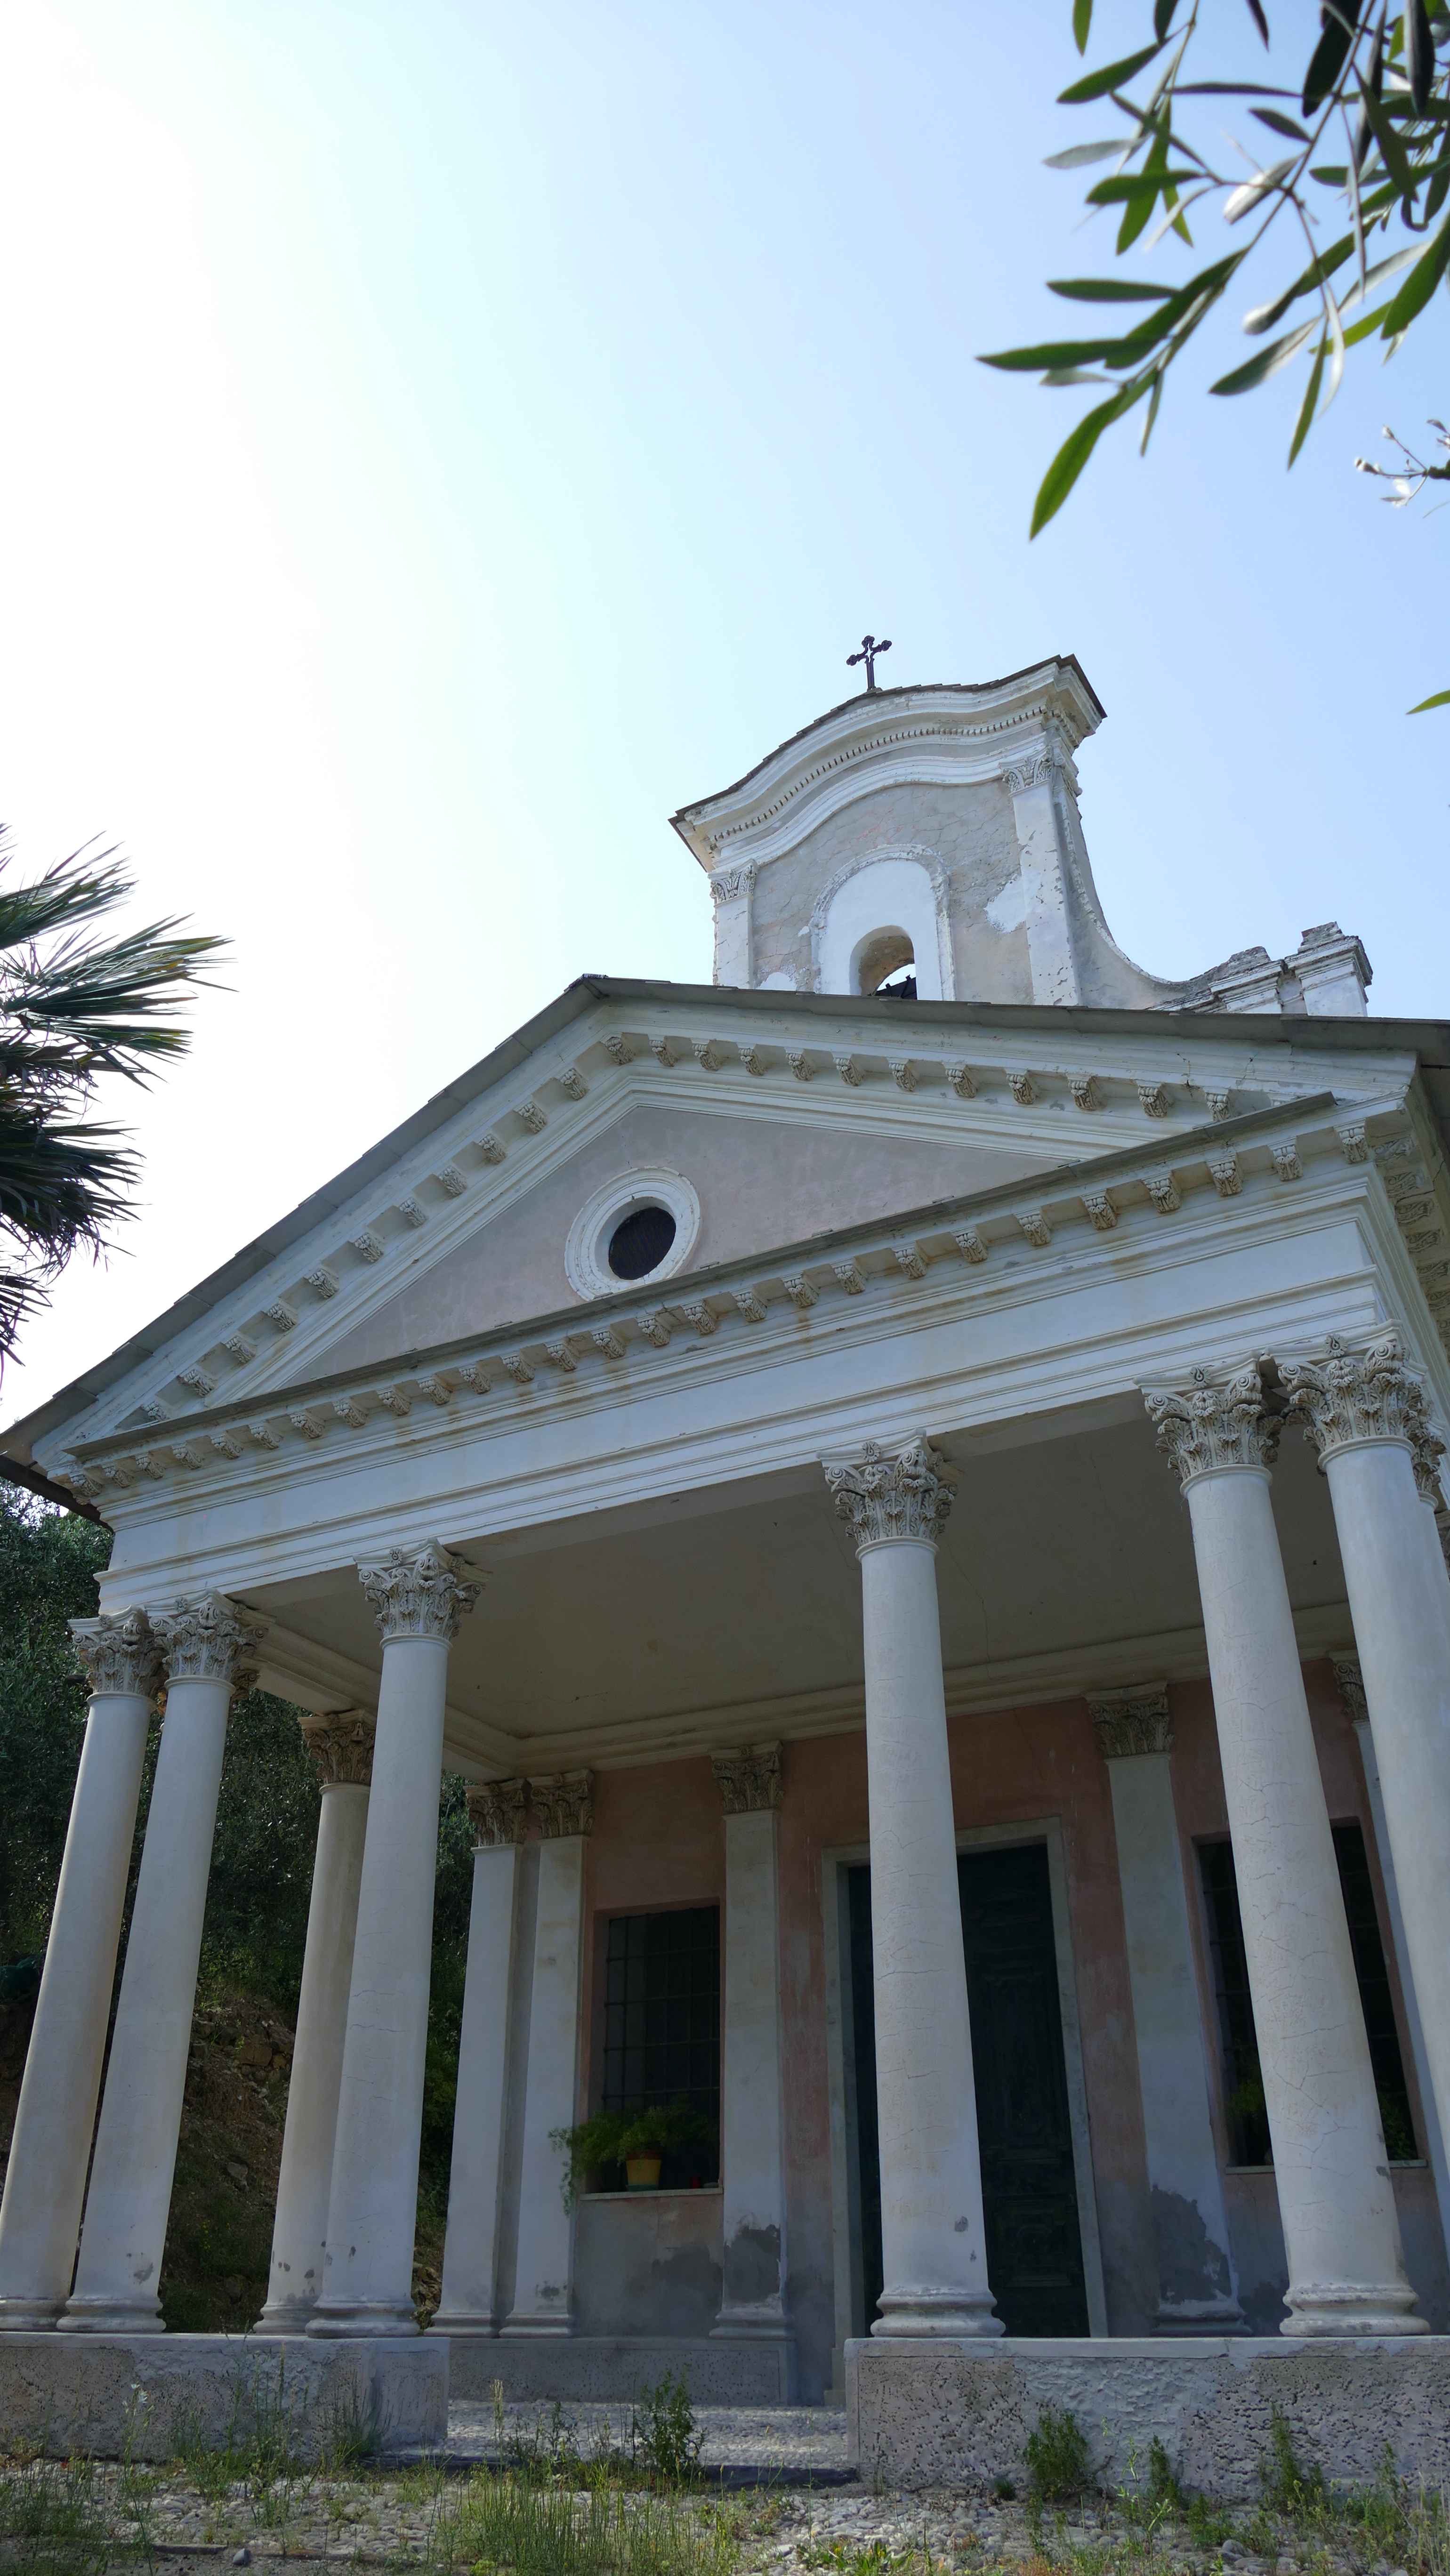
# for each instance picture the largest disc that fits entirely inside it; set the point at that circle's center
(603, 2530)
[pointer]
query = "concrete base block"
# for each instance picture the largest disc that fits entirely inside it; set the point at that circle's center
(104, 2394)
(956, 2413)
(738, 2370)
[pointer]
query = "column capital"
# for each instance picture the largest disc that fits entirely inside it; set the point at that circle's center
(496, 1812)
(1214, 1422)
(341, 1746)
(562, 1803)
(121, 1655)
(207, 1640)
(748, 1778)
(890, 1494)
(420, 1592)
(1349, 1681)
(1350, 1398)
(1132, 1721)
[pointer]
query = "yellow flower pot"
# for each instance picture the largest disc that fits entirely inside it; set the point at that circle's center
(642, 2172)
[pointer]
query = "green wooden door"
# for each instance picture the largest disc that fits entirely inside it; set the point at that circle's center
(1029, 2182)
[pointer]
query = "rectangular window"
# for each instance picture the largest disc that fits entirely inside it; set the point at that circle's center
(1243, 2085)
(662, 2026)
(1374, 1993)
(1242, 2081)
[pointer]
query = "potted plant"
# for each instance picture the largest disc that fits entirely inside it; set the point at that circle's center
(639, 2140)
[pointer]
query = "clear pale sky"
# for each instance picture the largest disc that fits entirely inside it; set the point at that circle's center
(442, 438)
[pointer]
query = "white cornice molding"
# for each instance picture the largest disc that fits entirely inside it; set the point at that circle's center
(939, 735)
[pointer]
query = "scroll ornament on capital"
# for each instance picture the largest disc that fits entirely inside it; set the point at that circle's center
(207, 1641)
(496, 1812)
(562, 1803)
(891, 1495)
(748, 1779)
(1350, 1397)
(420, 1592)
(1131, 1722)
(1214, 1423)
(121, 1655)
(341, 1747)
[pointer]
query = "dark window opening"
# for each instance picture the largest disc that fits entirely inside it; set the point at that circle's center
(640, 1241)
(662, 2030)
(1243, 2082)
(1374, 1994)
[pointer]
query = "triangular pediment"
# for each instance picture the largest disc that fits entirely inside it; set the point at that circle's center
(774, 1120)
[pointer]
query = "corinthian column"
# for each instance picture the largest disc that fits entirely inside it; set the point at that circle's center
(207, 1648)
(341, 1747)
(1341, 2233)
(45, 2180)
(470, 2251)
(752, 2141)
(419, 1597)
(1365, 1414)
(933, 2242)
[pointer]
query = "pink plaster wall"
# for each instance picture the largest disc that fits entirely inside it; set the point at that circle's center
(761, 1182)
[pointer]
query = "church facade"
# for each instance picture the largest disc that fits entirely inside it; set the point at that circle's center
(908, 1480)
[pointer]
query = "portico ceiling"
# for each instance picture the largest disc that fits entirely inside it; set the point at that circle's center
(717, 1616)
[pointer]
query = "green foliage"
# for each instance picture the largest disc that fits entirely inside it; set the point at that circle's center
(48, 1564)
(1288, 2487)
(261, 1862)
(510, 2522)
(54, 2521)
(1058, 2462)
(1383, 74)
(663, 2434)
(74, 1007)
(608, 2137)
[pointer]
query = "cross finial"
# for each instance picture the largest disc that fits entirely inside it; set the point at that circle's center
(869, 650)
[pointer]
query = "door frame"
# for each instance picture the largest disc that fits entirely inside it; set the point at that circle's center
(836, 1859)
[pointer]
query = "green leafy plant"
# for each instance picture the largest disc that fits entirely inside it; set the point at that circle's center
(74, 1007)
(1365, 127)
(663, 2433)
(610, 2136)
(1288, 2486)
(1058, 2462)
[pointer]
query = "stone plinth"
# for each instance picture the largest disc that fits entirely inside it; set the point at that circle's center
(101, 2393)
(957, 2413)
(738, 2370)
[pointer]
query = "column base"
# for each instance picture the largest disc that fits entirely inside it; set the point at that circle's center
(766, 2322)
(523, 2325)
(911, 2309)
(463, 2321)
(347, 2318)
(1351, 2308)
(111, 2317)
(29, 2316)
(286, 2317)
(1202, 2317)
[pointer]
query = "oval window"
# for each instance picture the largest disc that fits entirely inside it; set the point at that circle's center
(639, 1244)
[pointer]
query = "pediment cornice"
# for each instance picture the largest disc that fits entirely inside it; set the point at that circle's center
(1060, 1215)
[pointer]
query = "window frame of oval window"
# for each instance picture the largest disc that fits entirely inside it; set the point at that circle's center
(586, 1252)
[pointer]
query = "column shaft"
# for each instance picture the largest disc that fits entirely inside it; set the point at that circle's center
(1399, 1600)
(1434, 2139)
(543, 2277)
(752, 2142)
(471, 2249)
(419, 1596)
(1336, 2201)
(1196, 2290)
(300, 2227)
(45, 2180)
(129, 2201)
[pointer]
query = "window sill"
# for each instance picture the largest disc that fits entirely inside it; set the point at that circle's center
(1397, 2164)
(676, 2191)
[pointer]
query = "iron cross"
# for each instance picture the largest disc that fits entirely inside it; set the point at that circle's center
(869, 650)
